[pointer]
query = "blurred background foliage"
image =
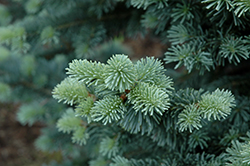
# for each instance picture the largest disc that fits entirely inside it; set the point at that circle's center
(38, 38)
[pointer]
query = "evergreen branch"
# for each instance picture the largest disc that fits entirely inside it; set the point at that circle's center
(120, 73)
(238, 154)
(241, 113)
(107, 110)
(7, 34)
(219, 4)
(189, 56)
(223, 12)
(49, 35)
(184, 97)
(68, 122)
(149, 99)
(183, 12)
(183, 33)
(92, 37)
(179, 34)
(242, 7)
(80, 135)
(84, 108)
(165, 83)
(30, 113)
(182, 55)
(71, 91)
(198, 138)
(15, 37)
(135, 121)
(146, 3)
(232, 135)
(120, 161)
(151, 71)
(109, 147)
(190, 118)
(217, 105)
(156, 19)
(86, 71)
(32, 6)
(233, 49)
(149, 67)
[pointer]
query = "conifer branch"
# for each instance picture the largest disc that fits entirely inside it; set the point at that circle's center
(108, 110)
(120, 73)
(217, 105)
(87, 72)
(149, 99)
(71, 91)
(128, 112)
(190, 118)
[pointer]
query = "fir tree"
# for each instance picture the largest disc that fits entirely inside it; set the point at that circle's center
(189, 107)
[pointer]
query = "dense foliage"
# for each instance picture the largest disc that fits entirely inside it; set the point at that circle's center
(189, 107)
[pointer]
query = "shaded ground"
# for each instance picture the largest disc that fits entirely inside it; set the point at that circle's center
(16, 141)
